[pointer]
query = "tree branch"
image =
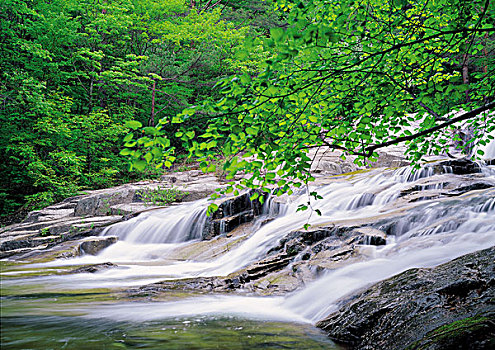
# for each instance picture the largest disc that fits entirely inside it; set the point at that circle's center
(468, 115)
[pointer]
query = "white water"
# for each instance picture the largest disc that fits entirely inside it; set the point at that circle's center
(489, 148)
(175, 224)
(432, 233)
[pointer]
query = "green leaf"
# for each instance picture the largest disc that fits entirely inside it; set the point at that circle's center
(126, 152)
(245, 78)
(211, 168)
(148, 157)
(276, 33)
(128, 137)
(149, 130)
(157, 152)
(163, 141)
(133, 124)
(211, 209)
(139, 164)
(254, 196)
(252, 131)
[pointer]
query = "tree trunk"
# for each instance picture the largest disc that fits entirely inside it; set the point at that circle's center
(465, 75)
(152, 120)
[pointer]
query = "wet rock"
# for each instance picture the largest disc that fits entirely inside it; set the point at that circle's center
(205, 250)
(330, 162)
(178, 177)
(99, 203)
(481, 185)
(302, 254)
(316, 239)
(461, 166)
(265, 266)
(227, 224)
(326, 258)
(22, 240)
(33, 237)
(54, 212)
(93, 268)
(93, 245)
(198, 285)
(22, 251)
(436, 183)
(390, 158)
(450, 306)
(244, 281)
(370, 236)
(231, 213)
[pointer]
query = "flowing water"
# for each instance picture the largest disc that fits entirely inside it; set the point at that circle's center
(90, 310)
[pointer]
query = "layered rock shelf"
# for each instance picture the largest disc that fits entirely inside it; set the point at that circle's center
(450, 306)
(444, 307)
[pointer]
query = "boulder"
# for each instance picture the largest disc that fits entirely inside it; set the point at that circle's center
(461, 166)
(370, 236)
(93, 245)
(99, 202)
(473, 186)
(232, 212)
(93, 268)
(330, 162)
(450, 306)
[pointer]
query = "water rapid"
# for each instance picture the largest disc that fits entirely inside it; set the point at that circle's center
(424, 233)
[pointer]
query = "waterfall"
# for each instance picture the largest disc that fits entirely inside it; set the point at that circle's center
(489, 148)
(423, 234)
(414, 247)
(408, 249)
(175, 224)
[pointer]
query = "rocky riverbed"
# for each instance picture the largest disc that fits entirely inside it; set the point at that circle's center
(450, 306)
(390, 212)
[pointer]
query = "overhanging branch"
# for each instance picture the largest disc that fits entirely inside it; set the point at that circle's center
(468, 115)
(368, 151)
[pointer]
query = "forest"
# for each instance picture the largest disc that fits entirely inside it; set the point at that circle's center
(77, 74)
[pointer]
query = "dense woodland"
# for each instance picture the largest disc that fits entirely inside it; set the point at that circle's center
(88, 88)
(74, 72)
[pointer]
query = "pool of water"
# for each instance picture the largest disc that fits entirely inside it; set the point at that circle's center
(35, 315)
(73, 332)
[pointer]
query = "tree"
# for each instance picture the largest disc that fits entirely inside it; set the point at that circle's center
(354, 76)
(75, 72)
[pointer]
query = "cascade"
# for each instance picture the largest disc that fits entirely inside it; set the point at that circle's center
(180, 223)
(429, 233)
(488, 149)
(415, 245)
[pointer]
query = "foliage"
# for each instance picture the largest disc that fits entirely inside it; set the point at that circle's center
(44, 232)
(162, 195)
(350, 75)
(75, 72)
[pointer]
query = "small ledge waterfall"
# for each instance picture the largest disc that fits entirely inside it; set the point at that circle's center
(426, 233)
(180, 223)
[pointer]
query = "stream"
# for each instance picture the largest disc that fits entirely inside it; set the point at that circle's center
(43, 308)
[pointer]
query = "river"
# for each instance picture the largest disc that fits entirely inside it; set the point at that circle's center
(44, 308)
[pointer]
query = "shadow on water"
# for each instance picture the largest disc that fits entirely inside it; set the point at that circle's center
(207, 332)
